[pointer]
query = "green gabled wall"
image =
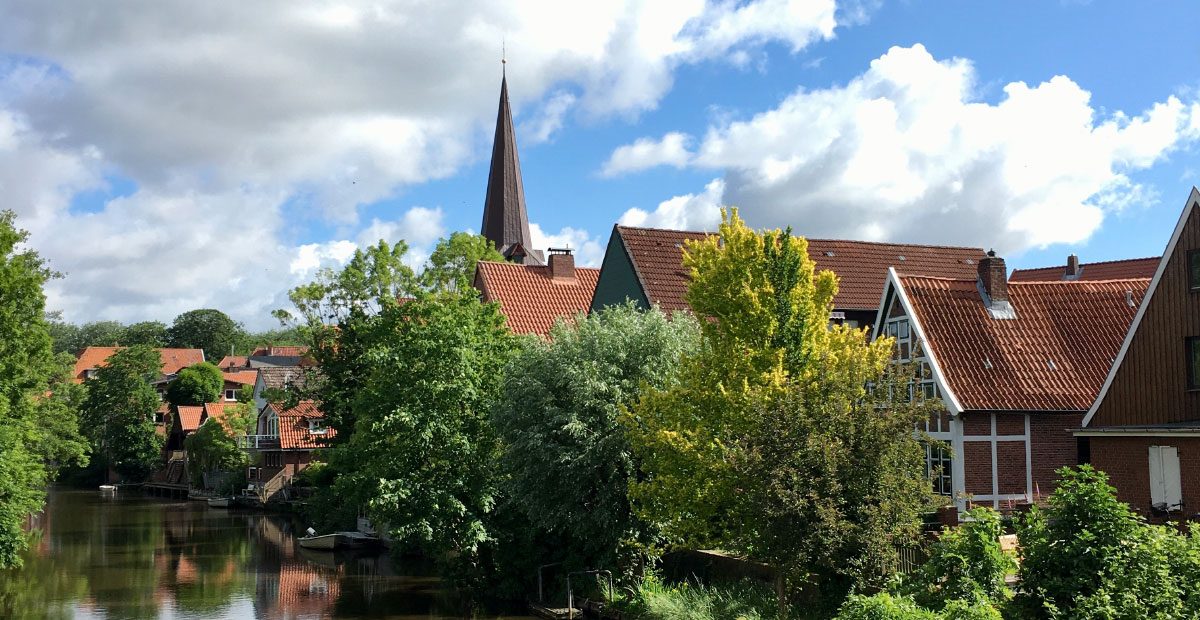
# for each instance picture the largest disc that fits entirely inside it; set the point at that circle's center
(618, 281)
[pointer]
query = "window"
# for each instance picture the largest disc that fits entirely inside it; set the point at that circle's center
(1165, 492)
(1193, 363)
(316, 426)
(1194, 270)
(937, 467)
(273, 459)
(272, 426)
(231, 394)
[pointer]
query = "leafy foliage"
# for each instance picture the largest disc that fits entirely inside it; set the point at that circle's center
(197, 384)
(452, 264)
(213, 448)
(37, 426)
(966, 564)
(566, 457)
(151, 333)
(884, 606)
(743, 600)
(118, 414)
(207, 329)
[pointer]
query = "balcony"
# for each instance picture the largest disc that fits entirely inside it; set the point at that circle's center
(258, 442)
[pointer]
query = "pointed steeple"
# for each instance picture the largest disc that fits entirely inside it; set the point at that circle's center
(505, 221)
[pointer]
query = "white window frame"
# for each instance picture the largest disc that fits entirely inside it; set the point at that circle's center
(231, 395)
(1166, 489)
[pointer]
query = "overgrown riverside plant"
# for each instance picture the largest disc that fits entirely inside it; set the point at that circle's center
(38, 402)
(1088, 555)
(195, 385)
(118, 414)
(654, 599)
(566, 459)
(966, 563)
(884, 606)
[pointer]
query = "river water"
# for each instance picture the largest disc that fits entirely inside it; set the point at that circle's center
(129, 556)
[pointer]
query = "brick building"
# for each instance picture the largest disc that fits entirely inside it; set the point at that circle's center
(1144, 428)
(1017, 365)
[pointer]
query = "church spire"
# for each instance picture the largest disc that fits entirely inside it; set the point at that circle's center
(505, 221)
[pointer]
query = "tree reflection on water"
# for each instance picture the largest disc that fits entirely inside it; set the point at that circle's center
(127, 556)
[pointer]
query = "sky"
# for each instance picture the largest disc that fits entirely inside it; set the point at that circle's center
(167, 156)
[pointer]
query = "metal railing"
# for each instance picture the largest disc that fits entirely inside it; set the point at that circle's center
(258, 442)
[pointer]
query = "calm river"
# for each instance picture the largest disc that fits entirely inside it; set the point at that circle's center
(128, 556)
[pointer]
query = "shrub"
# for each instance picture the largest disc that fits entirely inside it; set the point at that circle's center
(966, 564)
(741, 600)
(883, 606)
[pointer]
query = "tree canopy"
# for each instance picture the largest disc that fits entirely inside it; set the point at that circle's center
(451, 266)
(197, 384)
(118, 413)
(207, 329)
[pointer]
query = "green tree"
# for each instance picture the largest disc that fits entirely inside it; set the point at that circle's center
(65, 335)
(566, 457)
(767, 313)
(423, 455)
(197, 384)
(214, 448)
(208, 329)
(30, 436)
(965, 564)
(101, 334)
(118, 413)
(152, 333)
(451, 266)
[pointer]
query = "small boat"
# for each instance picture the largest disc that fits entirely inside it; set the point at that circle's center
(355, 540)
(326, 542)
(220, 502)
(108, 488)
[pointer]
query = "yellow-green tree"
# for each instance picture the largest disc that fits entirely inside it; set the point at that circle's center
(765, 327)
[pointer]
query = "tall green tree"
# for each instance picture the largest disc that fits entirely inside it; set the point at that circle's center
(101, 334)
(451, 266)
(566, 457)
(766, 313)
(207, 329)
(118, 413)
(31, 437)
(197, 384)
(152, 333)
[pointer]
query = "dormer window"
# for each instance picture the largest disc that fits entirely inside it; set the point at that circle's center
(271, 426)
(230, 395)
(316, 425)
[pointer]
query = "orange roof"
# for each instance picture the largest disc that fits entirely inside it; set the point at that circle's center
(230, 361)
(532, 301)
(293, 426)
(273, 351)
(861, 266)
(1052, 357)
(1107, 270)
(173, 360)
(190, 417)
(244, 377)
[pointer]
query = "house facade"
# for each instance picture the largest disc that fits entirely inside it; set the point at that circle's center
(645, 265)
(1017, 365)
(1143, 430)
(285, 441)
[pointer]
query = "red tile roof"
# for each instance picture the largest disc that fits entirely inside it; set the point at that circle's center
(190, 417)
(231, 361)
(861, 266)
(173, 359)
(293, 426)
(244, 377)
(1107, 270)
(1052, 357)
(530, 300)
(272, 351)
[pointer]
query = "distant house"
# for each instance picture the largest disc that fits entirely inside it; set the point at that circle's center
(235, 381)
(286, 440)
(646, 265)
(1144, 427)
(533, 297)
(1017, 365)
(88, 360)
(1074, 270)
(188, 419)
(276, 351)
(281, 378)
(250, 362)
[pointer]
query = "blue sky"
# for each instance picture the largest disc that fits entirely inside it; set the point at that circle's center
(204, 156)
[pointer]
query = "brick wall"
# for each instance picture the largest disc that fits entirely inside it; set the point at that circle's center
(1010, 466)
(977, 467)
(1053, 447)
(1126, 460)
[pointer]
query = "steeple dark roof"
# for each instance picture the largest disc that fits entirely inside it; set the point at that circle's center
(505, 221)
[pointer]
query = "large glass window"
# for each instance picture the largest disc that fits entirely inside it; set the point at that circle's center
(937, 467)
(1194, 270)
(1193, 363)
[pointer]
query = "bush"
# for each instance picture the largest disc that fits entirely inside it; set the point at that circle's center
(741, 600)
(195, 385)
(966, 564)
(884, 606)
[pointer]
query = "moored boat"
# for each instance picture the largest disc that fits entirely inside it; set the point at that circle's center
(326, 542)
(220, 502)
(108, 488)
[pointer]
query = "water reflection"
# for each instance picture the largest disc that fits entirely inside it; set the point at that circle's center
(98, 556)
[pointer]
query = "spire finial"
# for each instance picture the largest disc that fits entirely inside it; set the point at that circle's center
(503, 58)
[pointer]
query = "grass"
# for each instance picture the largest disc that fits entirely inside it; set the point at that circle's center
(743, 600)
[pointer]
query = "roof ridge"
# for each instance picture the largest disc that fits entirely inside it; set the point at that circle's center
(1108, 281)
(670, 230)
(1099, 262)
(907, 245)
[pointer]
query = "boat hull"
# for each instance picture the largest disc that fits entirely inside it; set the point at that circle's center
(220, 502)
(326, 542)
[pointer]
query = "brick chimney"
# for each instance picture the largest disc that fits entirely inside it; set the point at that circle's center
(562, 265)
(993, 286)
(1072, 268)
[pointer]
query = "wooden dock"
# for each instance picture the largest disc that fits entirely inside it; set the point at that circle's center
(165, 489)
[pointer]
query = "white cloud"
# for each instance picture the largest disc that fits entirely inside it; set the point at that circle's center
(905, 152)
(670, 150)
(688, 212)
(238, 124)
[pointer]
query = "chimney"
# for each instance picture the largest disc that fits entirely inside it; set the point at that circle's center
(562, 265)
(993, 286)
(1072, 268)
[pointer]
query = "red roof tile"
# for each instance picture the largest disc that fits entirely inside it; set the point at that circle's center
(293, 426)
(861, 266)
(1052, 357)
(231, 361)
(273, 351)
(1107, 270)
(190, 417)
(244, 377)
(530, 300)
(173, 359)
